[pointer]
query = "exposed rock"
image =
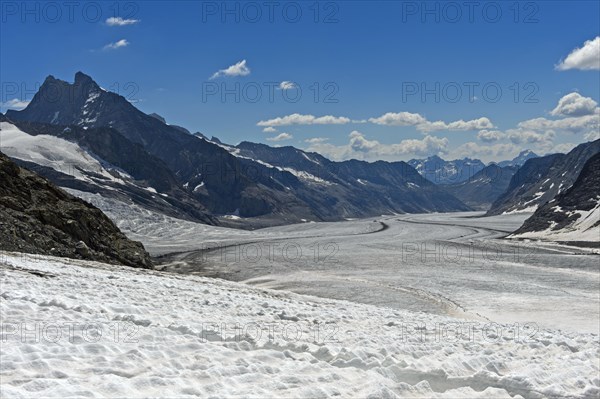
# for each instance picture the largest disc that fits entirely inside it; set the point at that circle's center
(38, 217)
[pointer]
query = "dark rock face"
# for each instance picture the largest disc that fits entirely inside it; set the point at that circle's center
(539, 180)
(481, 190)
(583, 195)
(38, 217)
(440, 171)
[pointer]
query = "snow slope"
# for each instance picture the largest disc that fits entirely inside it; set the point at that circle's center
(585, 228)
(177, 337)
(56, 153)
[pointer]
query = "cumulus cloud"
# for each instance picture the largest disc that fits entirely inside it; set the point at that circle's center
(316, 140)
(281, 137)
(592, 135)
(575, 125)
(489, 136)
(269, 129)
(360, 147)
(15, 103)
(399, 119)
(493, 151)
(116, 45)
(238, 69)
(586, 58)
(423, 125)
(520, 136)
(299, 119)
(574, 104)
(563, 147)
(118, 21)
(286, 85)
(460, 125)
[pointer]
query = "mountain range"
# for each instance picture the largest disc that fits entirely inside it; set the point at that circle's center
(83, 137)
(197, 178)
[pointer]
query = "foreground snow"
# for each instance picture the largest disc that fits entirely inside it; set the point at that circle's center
(120, 332)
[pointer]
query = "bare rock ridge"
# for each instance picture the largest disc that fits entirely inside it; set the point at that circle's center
(566, 211)
(37, 217)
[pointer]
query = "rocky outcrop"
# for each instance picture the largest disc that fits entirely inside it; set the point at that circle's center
(38, 217)
(567, 212)
(539, 180)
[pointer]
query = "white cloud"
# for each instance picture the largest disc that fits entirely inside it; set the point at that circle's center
(585, 58)
(286, 85)
(116, 45)
(423, 125)
(359, 147)
(118, 21)
(269, 129)
(238, 69)
(592, 135)
(316, 140)
(281, 137)
(15, 103)
(563, 147)
(575, 125)
(399, 119)
(460, 125)
(520, 136)
(489, 136)
(574, 104)
(299, 119)
(486, 152)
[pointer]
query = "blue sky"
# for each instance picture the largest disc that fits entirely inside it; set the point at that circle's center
(348, 64)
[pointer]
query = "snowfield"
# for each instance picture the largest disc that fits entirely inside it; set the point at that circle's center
(84, 329)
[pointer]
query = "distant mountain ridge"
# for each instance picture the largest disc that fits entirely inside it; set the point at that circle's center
(440, 171)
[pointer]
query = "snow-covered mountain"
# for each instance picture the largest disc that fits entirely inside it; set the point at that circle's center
(573, 215)
(519, 159)
(222, 179)
(440, 171)
(540, 179)
(99, 160)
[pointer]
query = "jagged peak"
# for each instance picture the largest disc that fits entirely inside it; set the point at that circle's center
(81, 77)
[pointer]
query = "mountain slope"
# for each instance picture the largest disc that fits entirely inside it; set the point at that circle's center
(540, 179)
(37, 217)
(440, 171)
(221, 183)
(573, 215)
(357, 186)
(481, 190)
(99, 160)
